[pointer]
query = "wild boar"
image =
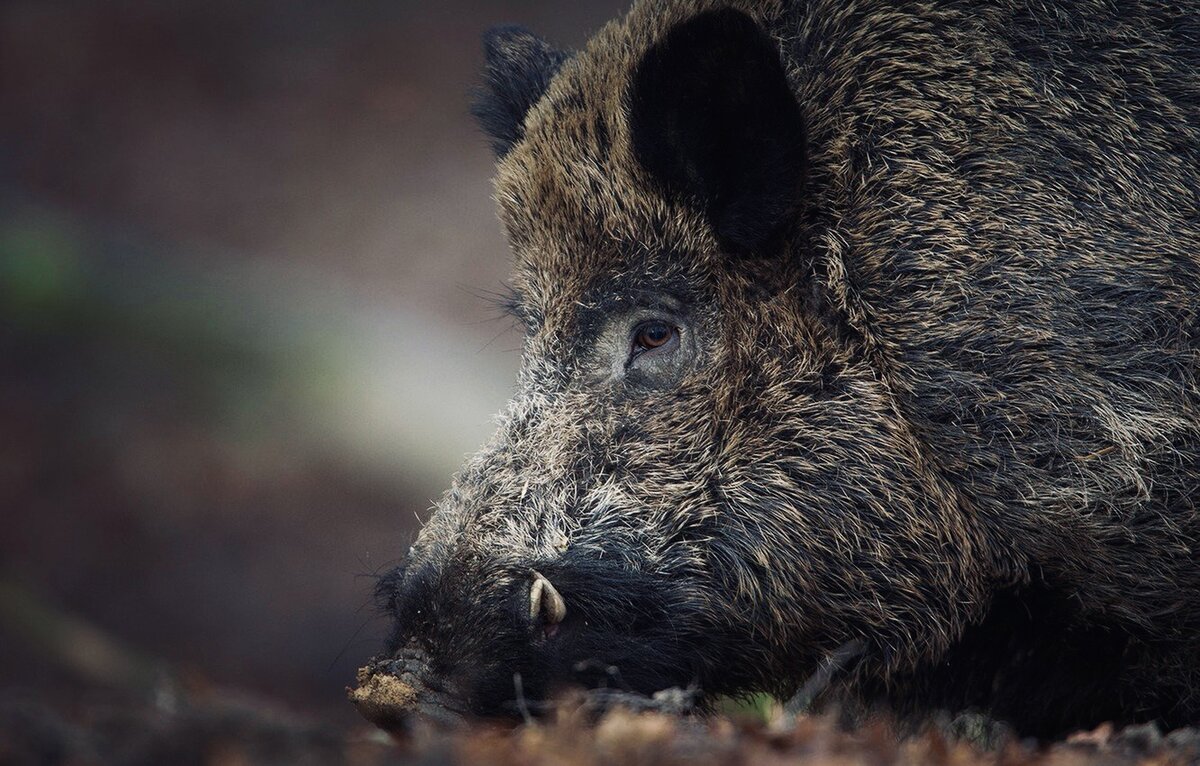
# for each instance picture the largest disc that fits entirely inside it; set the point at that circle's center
(846, 323)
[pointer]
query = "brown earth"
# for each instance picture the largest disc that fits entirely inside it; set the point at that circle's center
(221, 729)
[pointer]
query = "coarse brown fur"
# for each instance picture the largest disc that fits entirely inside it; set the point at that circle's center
(945, 400)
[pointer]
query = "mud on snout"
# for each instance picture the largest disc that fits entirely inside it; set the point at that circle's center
(488, 639)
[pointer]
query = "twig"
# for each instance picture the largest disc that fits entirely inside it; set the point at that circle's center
(522, 705)
(802, 700)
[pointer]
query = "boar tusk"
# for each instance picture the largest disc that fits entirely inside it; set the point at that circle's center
(545, 599)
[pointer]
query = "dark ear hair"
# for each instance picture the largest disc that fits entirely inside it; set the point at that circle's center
(518, 67)
(713, 119)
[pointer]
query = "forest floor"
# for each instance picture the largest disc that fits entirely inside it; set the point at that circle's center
(211, 727)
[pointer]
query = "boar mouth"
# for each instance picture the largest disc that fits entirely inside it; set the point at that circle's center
(490, 638)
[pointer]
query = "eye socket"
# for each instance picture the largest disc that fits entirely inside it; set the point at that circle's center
(651, 335)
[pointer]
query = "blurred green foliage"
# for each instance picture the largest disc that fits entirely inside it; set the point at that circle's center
(40, 271)
(758, 708)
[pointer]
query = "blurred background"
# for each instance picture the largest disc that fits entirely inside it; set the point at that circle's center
(245, 248)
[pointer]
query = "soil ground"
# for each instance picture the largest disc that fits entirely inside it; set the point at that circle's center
(223, 729)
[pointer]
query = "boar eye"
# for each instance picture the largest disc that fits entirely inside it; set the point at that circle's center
(652, 335)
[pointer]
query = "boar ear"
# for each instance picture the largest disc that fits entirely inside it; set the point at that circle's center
(713, 120)
(517, 69)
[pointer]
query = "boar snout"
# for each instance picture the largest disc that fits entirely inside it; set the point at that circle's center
(401, 693)
(465, 631)
(462, 634)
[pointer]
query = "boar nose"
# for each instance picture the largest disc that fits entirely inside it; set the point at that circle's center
(545, 601)
(398, 696)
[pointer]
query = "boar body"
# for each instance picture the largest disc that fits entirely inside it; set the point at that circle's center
(846, 322)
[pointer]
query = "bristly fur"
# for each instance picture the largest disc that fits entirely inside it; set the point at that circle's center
(950, 408)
